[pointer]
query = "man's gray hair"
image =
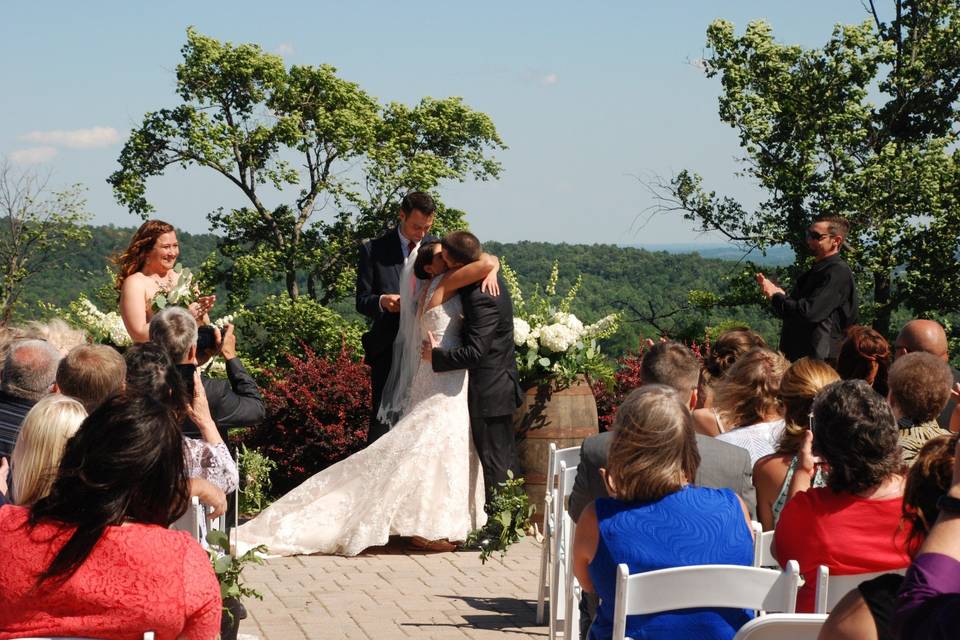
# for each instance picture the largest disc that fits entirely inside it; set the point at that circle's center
(175, 330)
(30, 369)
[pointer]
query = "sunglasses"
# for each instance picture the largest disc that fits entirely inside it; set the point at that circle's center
(813, 235)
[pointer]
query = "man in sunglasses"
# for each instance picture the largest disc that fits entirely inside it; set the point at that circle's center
(823, 302)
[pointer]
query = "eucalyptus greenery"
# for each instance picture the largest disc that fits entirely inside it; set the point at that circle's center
(508, 518)
(229, 567)
(255, 470)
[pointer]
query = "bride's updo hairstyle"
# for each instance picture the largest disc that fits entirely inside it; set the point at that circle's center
(462, 246)
(423, 260)
(142, 243)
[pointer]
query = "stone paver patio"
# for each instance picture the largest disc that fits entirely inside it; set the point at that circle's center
(396, 592)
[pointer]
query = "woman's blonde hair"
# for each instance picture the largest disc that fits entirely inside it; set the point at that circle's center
(799, 386)
(654, 449)
(43, 436)
(749, 391)
(58, 333)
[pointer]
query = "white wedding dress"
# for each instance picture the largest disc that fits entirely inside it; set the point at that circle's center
(422, 478)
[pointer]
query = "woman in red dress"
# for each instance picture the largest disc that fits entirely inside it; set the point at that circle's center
(95, 558)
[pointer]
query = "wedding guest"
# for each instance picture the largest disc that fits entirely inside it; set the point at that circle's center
(91, 373)
(379, 264)
(929, 336)
(234, 402)
(928, 603)
(772, 474)
(865, 355)
(749, 403)
(866, 613)
(145, 268)
(94, 557)
(731, 344)
(919, 388)
(853, 524)
(36, 456)
(823, 302)
(58, 333)
(29, 372)
(656, 519)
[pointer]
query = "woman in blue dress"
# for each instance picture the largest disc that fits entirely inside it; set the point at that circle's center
(658, 520)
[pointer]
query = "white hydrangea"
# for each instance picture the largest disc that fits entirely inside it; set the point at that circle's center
(569, 320)
(558, 337)
(521, 331)
(533, 339)
(603, 327)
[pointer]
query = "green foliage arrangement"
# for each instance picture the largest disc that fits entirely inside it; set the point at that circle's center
(255, 469)
(509, 512)
(229, 568)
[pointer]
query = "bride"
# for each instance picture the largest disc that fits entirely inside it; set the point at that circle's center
(423, 478)
(145, 268)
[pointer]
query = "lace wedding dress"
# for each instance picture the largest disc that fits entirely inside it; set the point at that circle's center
(422, 478)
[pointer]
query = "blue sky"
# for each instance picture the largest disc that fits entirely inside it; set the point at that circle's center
(590, 97)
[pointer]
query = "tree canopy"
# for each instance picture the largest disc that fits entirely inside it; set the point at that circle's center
(269, 129)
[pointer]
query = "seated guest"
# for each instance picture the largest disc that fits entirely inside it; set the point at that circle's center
(928, 603)
(928, 336)
(234, 402)
(29, 372)
(151, 374)
(866, 613)
(58, 333)
(748, 401)
(657, 519)
(91, 373)
(95, 558)
(853, 524)
(722, 354)
(919, 389)
(36, 456)
(772, 474)
(865, 355)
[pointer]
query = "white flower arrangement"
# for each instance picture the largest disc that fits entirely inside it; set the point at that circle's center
(103, 327)
(551, 342)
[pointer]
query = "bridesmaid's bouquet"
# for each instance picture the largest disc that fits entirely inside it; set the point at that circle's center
(181, 294)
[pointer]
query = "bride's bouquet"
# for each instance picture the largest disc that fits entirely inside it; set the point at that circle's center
(552, 344)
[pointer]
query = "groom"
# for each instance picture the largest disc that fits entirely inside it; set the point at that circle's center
(488, 352)
(378, 290)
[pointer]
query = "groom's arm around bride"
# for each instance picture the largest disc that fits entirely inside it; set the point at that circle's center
(487, 350)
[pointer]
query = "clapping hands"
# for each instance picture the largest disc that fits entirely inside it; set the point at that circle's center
(767, 286)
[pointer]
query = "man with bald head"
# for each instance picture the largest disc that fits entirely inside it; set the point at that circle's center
(927, 336)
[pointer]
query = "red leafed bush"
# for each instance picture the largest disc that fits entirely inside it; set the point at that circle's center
(626, 378)
(318, 410)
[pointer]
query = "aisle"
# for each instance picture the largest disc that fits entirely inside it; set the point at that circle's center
(396, 593)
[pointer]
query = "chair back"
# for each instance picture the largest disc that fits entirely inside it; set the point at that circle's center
(191, 519)
(783, 626)
(711, 586)
(763, 547)
(831, 589)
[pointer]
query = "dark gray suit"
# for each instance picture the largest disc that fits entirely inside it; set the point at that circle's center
(722, 465)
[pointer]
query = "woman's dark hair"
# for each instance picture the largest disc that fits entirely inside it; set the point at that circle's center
(152, 374)
(854, 431)
(929, 477)
(124, 463)
(731, 344)
(865, 355)
(424, 258)
(134, 256)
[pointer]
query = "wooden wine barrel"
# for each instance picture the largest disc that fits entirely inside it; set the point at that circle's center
(564, 417)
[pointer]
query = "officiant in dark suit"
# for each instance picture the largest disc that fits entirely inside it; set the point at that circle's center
(378, 290)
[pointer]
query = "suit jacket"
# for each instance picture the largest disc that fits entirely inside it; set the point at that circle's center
(722, 465)
(234, 402)
(487, 351)
(379, 265)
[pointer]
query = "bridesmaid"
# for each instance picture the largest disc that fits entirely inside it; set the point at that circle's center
(146, 267)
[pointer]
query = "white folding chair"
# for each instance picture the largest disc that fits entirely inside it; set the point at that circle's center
(561, 548)
(830, 589)
(763, 547)
(783, 626)
(548, 551)
(571, 586)
(148, 635)
(713, 586)
(191, 519)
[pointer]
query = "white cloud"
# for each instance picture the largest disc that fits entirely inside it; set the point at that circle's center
(549, 79)
(284, 49)
(92, 138)
(33, 155)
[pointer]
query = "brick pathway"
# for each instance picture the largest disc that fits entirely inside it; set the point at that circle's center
(396, 592)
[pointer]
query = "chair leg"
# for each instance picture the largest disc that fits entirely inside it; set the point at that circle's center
(544, 581)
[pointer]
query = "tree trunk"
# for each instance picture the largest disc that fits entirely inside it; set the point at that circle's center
(312, 285)
(881, 296)
(292, 290)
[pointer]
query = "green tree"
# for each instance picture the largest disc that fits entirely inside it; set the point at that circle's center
(38, 227)
(252, 120)
(815, 142)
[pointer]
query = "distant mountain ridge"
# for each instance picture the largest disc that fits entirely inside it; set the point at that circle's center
(778, 256)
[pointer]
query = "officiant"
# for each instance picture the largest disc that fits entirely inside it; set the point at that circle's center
(378, 290)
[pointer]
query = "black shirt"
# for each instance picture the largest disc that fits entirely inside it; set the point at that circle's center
(818, 311)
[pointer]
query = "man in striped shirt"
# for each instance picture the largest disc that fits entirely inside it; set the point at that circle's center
(29, 373)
